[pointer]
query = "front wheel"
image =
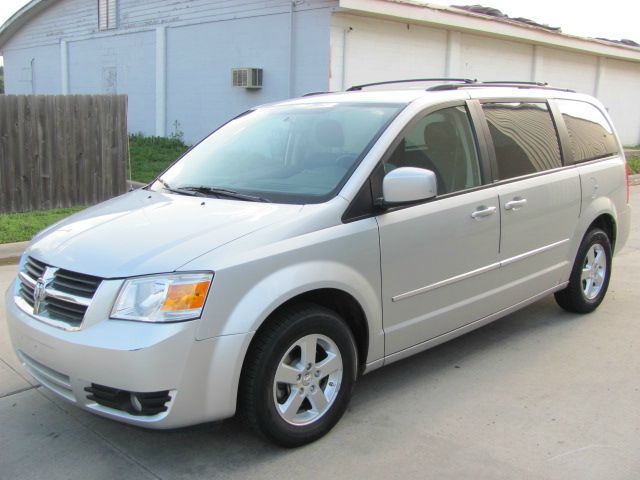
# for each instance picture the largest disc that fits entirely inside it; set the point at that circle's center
(298, 375)
(590, 275)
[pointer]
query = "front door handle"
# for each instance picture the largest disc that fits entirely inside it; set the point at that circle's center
(515, 204)
(482, 212)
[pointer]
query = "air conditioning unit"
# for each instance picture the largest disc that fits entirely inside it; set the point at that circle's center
(247, 77)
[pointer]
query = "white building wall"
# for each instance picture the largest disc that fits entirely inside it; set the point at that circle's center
(137, 14)
(619, 90)
(489, 59)
(194, 44)
(34, 70)
(79, 18)
(569, 70)
(200, 58)
(183, 73)
(368, 49)
(118, 64)
(378, 50)
(311, 43)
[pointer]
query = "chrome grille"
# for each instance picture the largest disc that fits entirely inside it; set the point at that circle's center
(64, 295)
(34, 268)
(64, 310)
(26, 292)
(75, 283)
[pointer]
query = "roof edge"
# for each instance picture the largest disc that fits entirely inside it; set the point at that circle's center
(20, 18)
(451, 18)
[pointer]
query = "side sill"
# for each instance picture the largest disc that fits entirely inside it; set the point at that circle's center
(370, 367)
(465, 329)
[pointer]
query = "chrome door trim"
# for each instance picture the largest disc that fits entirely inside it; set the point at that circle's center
(478, 271)
(531, 253)
(446, 281)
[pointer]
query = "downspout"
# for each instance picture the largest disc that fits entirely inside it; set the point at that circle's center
(599, 74)
(291, 46)
(537, 65)
(33, 76)
(452, 64)
(345, 31)
(161, 81)
(64, 67)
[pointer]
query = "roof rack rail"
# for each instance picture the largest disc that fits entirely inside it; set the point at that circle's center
(519, 82)
(311, 94)
(465, 81)
(523, 85)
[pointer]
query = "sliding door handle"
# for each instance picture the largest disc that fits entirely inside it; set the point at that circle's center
(515, 204)
(482, 212)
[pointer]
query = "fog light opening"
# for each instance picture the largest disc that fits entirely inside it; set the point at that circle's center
(135, 402)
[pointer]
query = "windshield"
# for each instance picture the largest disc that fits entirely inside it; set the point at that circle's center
(285, 154)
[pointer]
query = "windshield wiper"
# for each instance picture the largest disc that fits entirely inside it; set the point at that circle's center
(222, 192)
(180, 191)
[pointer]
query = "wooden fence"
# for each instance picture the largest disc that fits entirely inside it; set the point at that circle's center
(61, 150)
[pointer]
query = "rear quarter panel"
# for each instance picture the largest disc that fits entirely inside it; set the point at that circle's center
(604, 192)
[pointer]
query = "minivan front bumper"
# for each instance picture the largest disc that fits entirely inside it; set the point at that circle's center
(201, 376)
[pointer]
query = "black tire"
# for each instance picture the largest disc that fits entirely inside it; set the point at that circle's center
(573, 298)
(259, 399)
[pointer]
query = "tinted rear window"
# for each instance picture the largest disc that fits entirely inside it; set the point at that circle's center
(590, 134)
(524, 138)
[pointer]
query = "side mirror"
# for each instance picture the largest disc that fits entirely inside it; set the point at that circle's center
(408, 185)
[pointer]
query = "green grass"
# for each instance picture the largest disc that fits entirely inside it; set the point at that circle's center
(633, 159)
(634, 164)
(151, 155)
(18, 227)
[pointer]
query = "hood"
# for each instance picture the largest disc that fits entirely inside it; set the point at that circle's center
(145, 232)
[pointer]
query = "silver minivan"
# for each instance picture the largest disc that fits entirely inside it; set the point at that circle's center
(310, 241)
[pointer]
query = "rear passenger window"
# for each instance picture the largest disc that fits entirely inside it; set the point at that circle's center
(442, 142)
(590, 134)
(524, 138)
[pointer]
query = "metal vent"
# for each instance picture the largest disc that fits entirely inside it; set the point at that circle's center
(247, 77)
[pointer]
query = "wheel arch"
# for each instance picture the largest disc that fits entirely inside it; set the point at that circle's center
(600, 213)
(607, 223)
(337, 300)
(340, 302)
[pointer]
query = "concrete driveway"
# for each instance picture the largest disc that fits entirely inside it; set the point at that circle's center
(540, 394)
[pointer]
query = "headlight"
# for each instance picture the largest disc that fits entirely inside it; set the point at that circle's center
(163, 298)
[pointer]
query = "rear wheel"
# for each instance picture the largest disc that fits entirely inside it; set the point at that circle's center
(590, 275)
(298, 375)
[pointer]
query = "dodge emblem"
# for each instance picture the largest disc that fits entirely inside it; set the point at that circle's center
(40, 289)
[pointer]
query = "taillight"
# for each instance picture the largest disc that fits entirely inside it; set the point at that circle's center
(626, 164)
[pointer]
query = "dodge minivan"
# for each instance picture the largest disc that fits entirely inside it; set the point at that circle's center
(307, 242)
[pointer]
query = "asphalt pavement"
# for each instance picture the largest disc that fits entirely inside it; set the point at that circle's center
(539, 394)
